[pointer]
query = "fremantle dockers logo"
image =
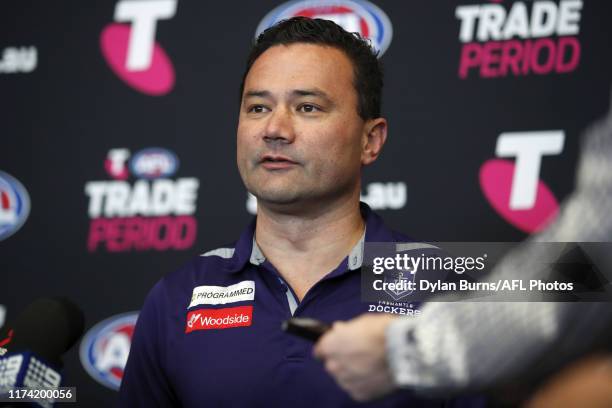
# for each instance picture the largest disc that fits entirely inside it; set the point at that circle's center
(400, 278)
(405, 276)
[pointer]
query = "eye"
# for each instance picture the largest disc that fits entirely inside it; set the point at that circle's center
(257, 109)
(308, 108)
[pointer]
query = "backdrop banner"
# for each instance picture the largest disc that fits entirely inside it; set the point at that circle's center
(118, 159)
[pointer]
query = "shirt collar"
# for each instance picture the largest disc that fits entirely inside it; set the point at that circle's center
(247, 250)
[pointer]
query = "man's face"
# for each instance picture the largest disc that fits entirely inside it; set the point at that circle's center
(299, 134)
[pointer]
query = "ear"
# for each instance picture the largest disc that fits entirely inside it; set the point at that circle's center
(373, 139)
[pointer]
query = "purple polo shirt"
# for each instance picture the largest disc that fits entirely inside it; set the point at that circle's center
(209, 334)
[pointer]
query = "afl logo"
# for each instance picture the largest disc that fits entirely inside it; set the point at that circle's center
(14, 205)
(358, 16)
(153, 163)
(105, 348)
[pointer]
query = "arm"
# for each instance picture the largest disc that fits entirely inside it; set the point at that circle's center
(463, 345)
(458, 346)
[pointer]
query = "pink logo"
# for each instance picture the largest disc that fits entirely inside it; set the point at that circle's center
(523, 38)
(496, 179)
(158, 76)
(228, 317)
(154, 212)
(118, 175)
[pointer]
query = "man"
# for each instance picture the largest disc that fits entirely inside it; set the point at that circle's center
(453, 347)
(209, 334)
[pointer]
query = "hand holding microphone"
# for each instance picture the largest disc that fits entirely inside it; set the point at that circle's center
(353, 352)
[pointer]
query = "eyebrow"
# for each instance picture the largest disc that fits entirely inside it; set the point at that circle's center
(256, 93)
(311, 92)
(296, 92)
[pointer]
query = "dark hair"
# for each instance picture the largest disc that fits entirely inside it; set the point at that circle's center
(368, 78)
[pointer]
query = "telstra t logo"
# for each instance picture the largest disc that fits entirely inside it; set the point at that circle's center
(131, 50)
(514, 189)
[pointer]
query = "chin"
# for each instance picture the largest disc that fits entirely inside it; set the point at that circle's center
(276, 197)
(276, 191)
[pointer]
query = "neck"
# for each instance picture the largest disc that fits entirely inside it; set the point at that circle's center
(305, 247)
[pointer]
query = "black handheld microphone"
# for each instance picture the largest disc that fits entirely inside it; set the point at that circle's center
(31, 347)
(305, 327)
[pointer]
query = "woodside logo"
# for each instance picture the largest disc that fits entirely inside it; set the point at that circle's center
(207, 319)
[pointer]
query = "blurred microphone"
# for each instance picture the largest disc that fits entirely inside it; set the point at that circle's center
(31, 348)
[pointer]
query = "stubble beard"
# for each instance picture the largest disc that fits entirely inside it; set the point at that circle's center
(298, 194)
(284, 193)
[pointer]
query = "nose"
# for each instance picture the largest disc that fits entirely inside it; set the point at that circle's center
(279, 128)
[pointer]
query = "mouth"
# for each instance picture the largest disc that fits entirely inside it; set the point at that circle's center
(277, 162)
